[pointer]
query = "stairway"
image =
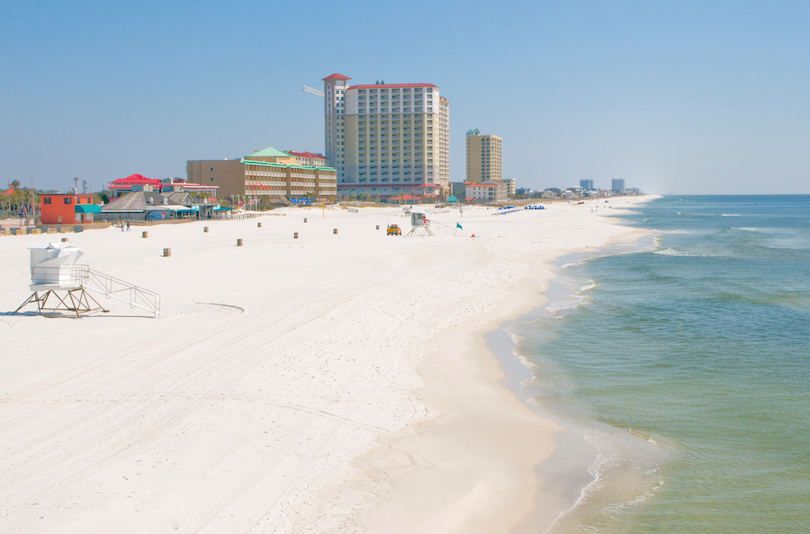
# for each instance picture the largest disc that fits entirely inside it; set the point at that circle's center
(115, 288)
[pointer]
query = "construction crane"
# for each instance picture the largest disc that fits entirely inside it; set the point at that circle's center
(313, 91)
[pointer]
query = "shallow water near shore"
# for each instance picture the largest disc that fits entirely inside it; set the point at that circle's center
(686, 365)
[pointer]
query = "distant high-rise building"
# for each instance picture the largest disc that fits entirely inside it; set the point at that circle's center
(387, 139)
(483, 157)
(618, 185)
(587, 185)
(511, 186)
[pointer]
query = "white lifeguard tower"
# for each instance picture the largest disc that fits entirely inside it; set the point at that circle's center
(54, 271)
(420, 225)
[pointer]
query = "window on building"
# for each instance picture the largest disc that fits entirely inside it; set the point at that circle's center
(46, 200)
(68, 200)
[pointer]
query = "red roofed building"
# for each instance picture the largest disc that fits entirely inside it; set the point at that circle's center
(138, 182)
(134, 182)
(387, 139)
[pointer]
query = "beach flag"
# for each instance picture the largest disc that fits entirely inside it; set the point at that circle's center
(459, 226)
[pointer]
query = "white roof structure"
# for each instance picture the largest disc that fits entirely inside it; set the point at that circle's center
(52, 266)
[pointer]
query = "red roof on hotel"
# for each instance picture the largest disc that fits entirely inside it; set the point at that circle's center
(337, 76)
(305, 154)
(387, 85)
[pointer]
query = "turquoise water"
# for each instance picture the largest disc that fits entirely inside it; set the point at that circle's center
(688, 367)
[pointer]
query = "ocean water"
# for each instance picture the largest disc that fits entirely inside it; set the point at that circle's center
(687, 364)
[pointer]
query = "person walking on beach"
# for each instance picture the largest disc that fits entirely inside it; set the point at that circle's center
(127, 226)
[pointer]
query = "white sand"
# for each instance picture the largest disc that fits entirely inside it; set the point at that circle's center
(334, 383)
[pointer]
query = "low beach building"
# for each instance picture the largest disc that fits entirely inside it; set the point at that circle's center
(68, 208)
(266, 176)
(492, 191)
(148, 204)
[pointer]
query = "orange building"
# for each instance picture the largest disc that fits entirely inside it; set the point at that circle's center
(68, 208)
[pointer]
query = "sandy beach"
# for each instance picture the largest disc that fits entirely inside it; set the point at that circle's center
(330, 383)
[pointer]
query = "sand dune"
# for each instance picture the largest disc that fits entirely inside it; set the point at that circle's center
(333, 383)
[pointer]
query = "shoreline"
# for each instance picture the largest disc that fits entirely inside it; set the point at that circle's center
(559, 468)
(328, 403)
(566, 476)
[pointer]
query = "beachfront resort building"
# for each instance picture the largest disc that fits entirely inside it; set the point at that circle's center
(483, 157)
(387, 140)
(266, 176)
(618, 185)
(587, 185)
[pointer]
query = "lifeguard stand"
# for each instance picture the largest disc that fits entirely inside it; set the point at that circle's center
(420, 225)
(53, 270)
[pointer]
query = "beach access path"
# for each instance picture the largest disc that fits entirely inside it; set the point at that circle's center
(330, 383)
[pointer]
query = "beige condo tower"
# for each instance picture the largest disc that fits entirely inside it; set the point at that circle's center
(387, 139)
(483, 157)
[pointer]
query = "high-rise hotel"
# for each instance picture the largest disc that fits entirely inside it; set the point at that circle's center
(483, 157)
(387, 139)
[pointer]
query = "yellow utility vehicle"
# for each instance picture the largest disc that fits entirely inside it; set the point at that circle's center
(393, 229)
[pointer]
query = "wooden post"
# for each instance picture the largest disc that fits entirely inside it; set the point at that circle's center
(145, 235)
(239, 242)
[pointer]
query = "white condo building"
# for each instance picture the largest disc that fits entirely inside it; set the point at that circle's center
(387, 139)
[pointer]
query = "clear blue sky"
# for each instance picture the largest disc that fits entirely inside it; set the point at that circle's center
(685, 97)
